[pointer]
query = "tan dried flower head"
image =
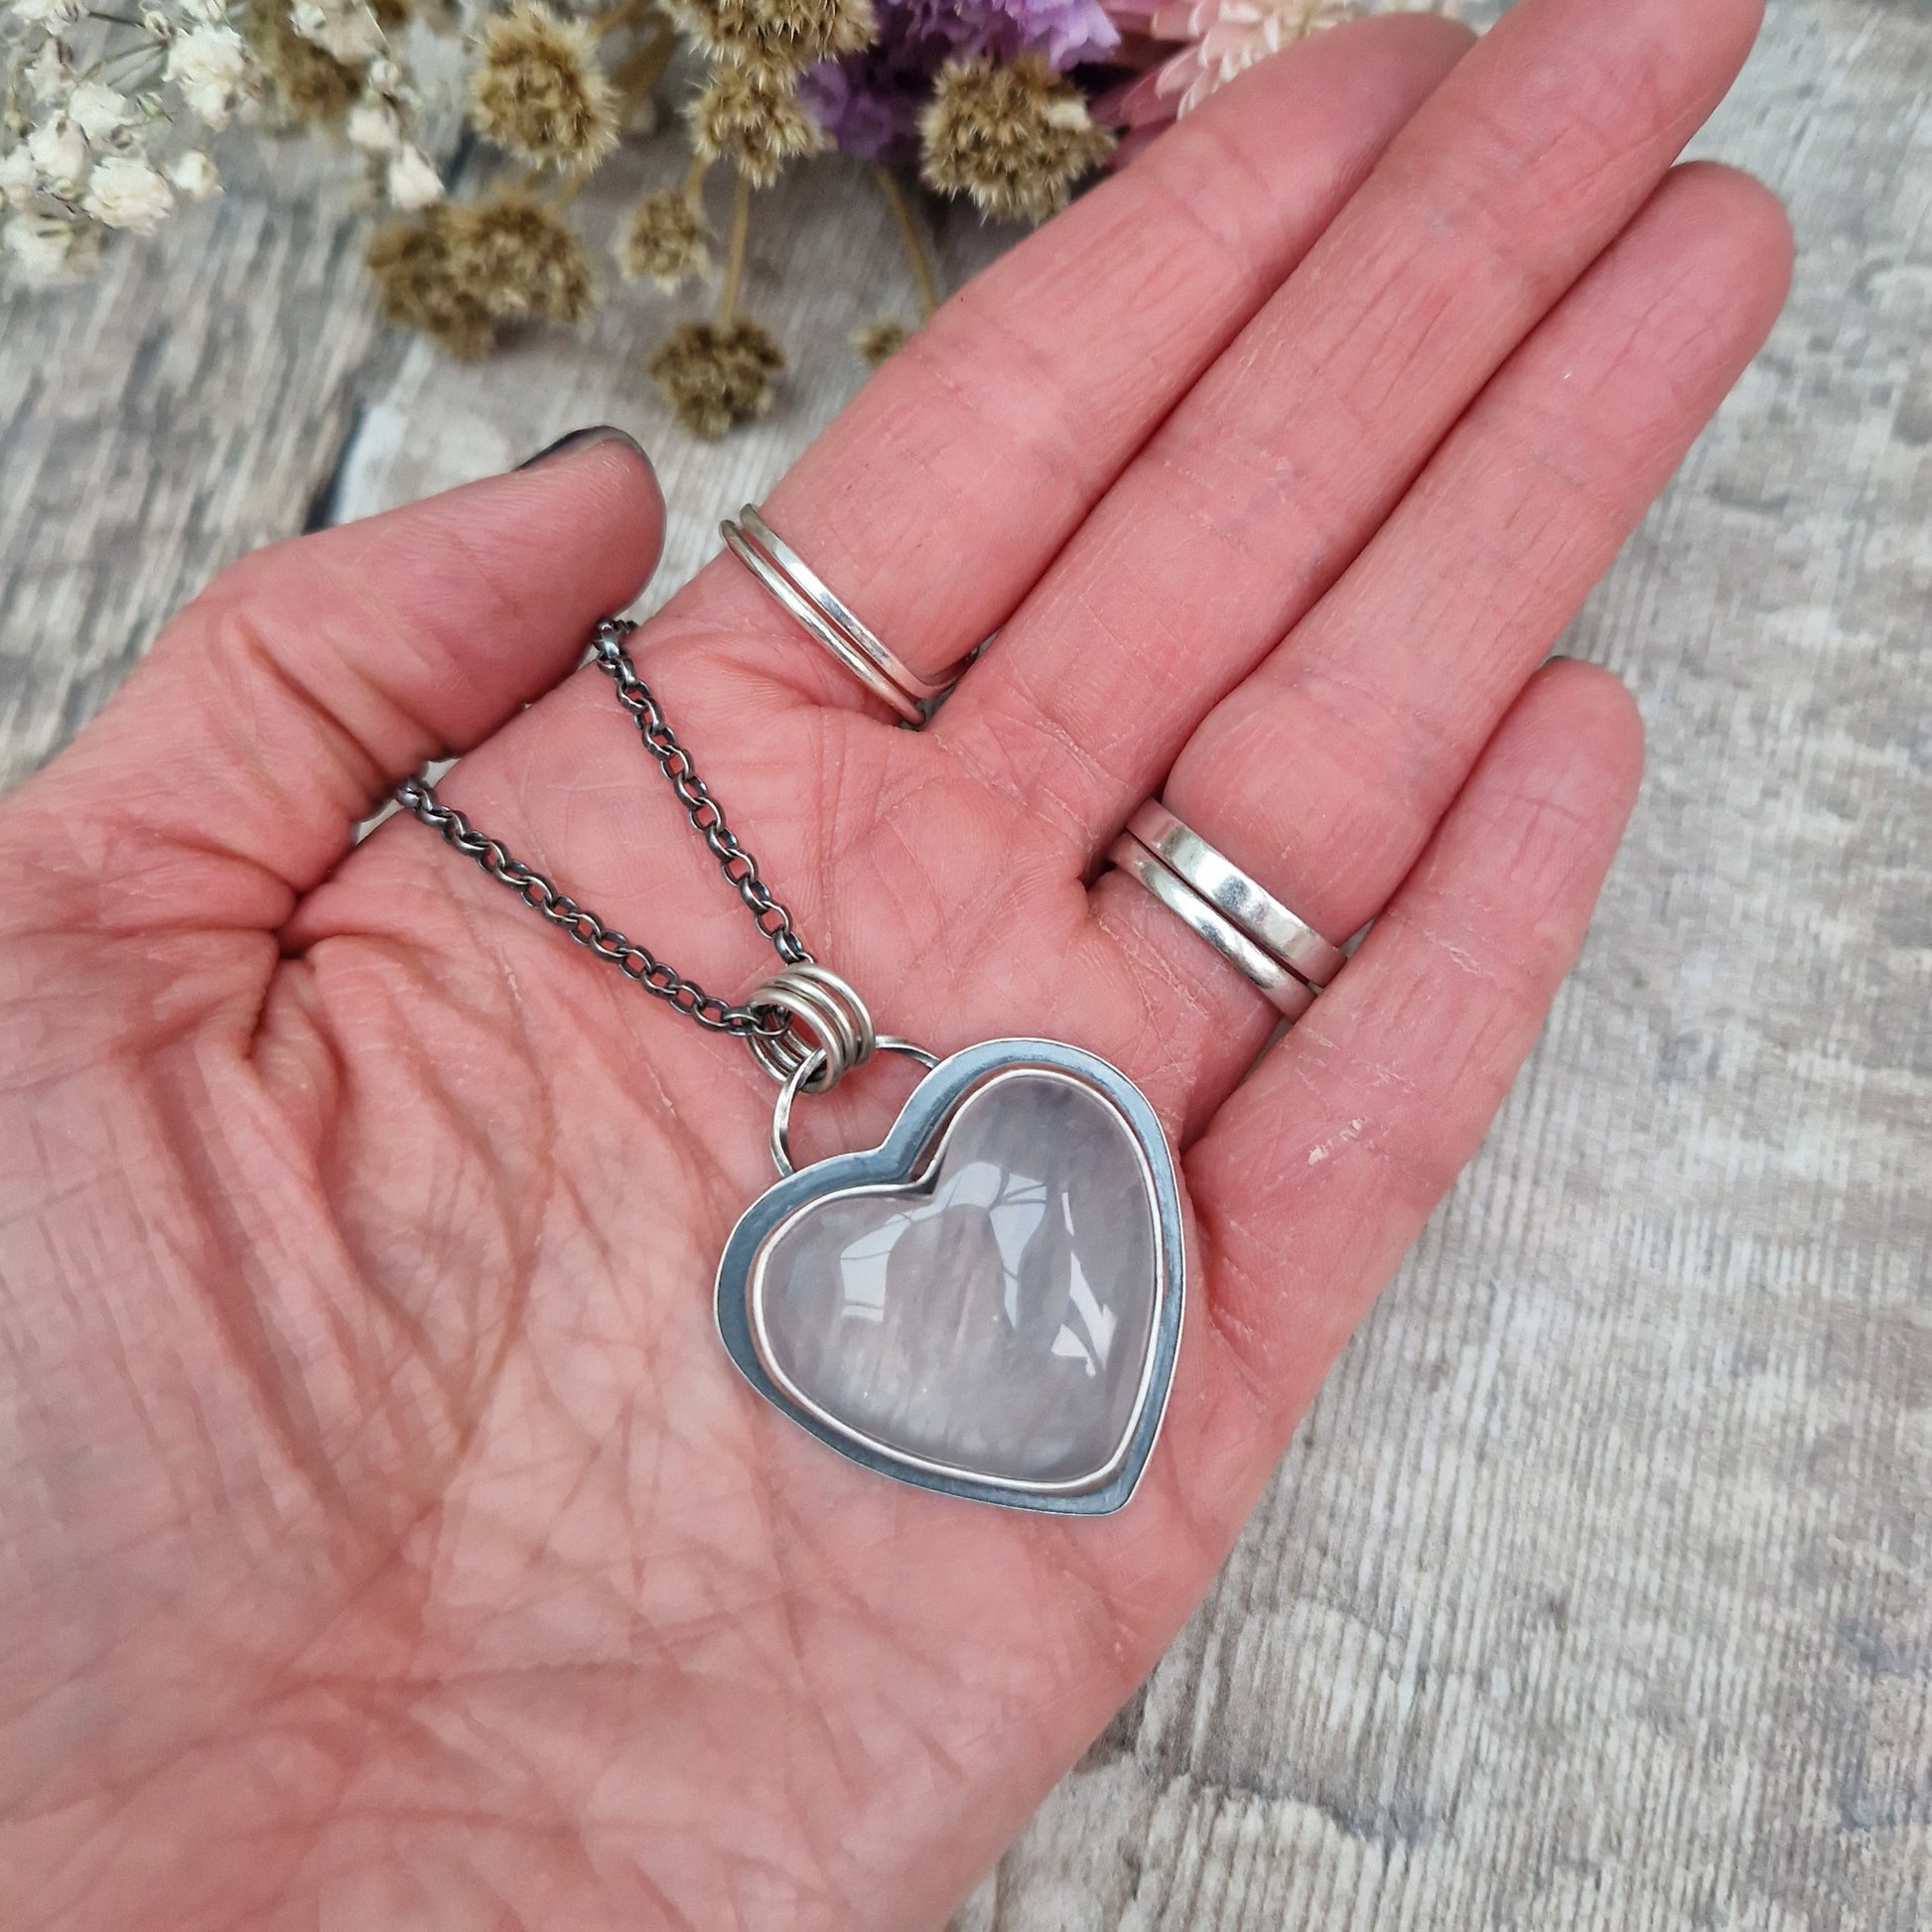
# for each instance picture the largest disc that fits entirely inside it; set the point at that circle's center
(753, 120)
(518, 260)
(312, 87)
(879, 341)
(1016, 138)
(715, 374)
(538, 91)
(666, 241)
(780, 37)
(420, 288)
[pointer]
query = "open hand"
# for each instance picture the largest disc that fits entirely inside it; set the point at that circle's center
(385, 1539)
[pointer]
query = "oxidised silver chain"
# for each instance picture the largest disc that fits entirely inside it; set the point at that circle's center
(764, 1020)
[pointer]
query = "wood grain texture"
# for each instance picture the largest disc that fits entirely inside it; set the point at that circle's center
(1598, 1588)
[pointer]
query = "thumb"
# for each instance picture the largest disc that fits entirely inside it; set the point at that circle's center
(227, 774)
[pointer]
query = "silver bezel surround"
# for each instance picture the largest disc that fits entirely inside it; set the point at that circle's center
(909, 1151)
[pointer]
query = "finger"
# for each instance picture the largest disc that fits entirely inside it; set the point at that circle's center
(1324, 774)
(227, 774)
(1291, 450)
(939, 496)
(1319, 1171)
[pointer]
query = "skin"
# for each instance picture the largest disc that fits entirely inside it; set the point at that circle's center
(385, 1538)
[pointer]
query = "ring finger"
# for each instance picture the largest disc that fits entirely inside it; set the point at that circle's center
(1324, 773)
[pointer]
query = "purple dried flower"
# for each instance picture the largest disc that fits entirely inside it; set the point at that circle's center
(870, 104)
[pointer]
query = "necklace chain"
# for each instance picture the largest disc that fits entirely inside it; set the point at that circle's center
(578, 923)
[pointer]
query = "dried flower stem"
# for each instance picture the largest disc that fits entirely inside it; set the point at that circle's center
(914, 246)
(735, 250)
(641, 70)
(620, 15)
(693, 178)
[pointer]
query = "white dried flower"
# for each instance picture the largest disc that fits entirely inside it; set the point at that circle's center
(412, 182)
(19, 177)
(373, 126)
(194, 174)
(98, 113)
(210, 65)
(125, 192)
(206, 13)
(383, 76)
(60, 154)
(344, 28)
(47, 13)
(40, 248)
(49, 76)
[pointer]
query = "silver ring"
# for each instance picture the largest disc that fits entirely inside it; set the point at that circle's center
(823, 616)
(1257, 915)
(1290, 995)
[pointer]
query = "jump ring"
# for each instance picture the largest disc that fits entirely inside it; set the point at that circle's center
(839, 1032)
(800, 1081)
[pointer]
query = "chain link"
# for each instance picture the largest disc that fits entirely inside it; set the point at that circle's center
(636, 962)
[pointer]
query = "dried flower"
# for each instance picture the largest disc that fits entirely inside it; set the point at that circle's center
(666, 241)
(345, 30)
(410, 181)
(716, 374)
(60, 155)
(47, 13)
(539, 91)
(1016, 138)
(420, 288)
(518, 260)
(126, 191)
(18, 178)
(374, 126)
(870, 104)
(779, 36)
(194, 174)
(98, 113)
(753, 120)
(209, 65)
(50, 76)
(312, 87)
(879, 341)
(42, 248)
(1224, 38)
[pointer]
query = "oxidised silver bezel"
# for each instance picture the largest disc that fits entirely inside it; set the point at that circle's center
(913, 1148)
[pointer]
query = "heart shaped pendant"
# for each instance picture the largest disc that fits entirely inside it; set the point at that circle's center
(989, 1303)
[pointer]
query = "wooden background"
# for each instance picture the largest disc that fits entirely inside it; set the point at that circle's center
(1598, 1588)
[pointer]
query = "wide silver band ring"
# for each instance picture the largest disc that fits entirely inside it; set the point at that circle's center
(824, 617)
(1252, 910)
(1289, 994)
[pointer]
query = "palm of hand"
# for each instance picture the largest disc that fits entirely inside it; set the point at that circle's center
(386, 1495)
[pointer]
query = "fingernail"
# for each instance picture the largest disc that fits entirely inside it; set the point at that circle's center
(583, 439)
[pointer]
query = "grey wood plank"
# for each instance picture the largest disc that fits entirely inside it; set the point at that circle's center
(183, 408)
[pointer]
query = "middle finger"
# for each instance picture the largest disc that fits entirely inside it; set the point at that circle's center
(1292, 450)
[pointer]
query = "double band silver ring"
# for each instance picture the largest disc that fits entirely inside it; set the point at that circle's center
(1239, 917)
(825, 618)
